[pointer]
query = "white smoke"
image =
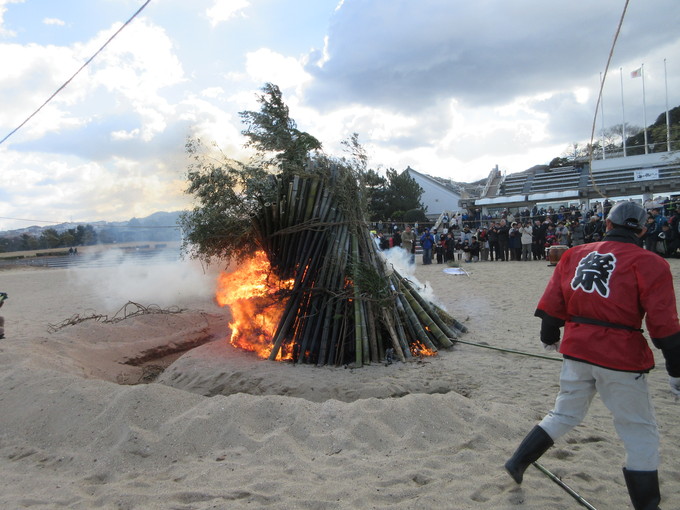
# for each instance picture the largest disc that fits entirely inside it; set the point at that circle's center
(117, 279)
(399, 260)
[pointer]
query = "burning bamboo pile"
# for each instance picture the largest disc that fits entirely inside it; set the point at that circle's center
(342, 303)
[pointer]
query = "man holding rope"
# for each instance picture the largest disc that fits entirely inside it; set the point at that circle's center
(600, 292)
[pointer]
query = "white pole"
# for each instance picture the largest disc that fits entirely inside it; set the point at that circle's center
(668, 119)
(644, 105)
(602, 115)
(623, 115)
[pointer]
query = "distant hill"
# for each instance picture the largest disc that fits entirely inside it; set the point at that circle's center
(159, 226)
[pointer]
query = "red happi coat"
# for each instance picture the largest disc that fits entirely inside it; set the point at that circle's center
(619, 284)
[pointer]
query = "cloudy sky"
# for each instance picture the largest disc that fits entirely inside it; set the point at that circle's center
(449, 87)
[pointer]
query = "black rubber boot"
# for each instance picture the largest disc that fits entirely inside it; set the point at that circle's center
(643, 487)
(530, 449)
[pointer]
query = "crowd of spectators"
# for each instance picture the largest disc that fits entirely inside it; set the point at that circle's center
(527, 234)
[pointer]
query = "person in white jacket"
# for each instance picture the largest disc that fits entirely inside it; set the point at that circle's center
(526, 232)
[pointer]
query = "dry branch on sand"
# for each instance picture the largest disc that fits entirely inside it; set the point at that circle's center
(127, 311)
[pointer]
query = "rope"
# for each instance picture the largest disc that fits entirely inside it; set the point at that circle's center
(542, 356)
(599, 99)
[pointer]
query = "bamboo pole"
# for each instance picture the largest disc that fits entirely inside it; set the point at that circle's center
(366, 353)
(431, 313)
(447, 317)
(357, 306)
(426, 319)
(394, 337)
(420, 332)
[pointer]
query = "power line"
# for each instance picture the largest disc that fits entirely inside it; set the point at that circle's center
(77, 72)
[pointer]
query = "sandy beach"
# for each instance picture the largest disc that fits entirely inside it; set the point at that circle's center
(221, 429)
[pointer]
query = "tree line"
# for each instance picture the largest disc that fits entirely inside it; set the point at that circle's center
(49, 238)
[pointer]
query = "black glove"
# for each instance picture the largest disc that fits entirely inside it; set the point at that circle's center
(550, 332)
(670, 347)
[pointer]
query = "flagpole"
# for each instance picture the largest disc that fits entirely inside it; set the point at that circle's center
(668, 119)
(623, 115)
(602, 115)
(644, 105)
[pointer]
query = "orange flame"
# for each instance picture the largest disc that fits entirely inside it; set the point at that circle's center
(419, 350)
(252, 292)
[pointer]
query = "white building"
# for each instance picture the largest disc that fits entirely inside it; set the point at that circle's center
(436, 197)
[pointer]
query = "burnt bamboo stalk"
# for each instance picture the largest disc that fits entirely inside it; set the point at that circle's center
(311, 250)
(294, 238)
(410, 328)
(313, 201)
(293, 191)
(325, 334)
(313, 324)
(318, 289)
(285, 323)
(339, 318)
(431, 312)
(318, 319)
(375, 338)
(334, 278)
(438, 334)
(268, 239)
(342, 337)
(401, 334)
(421, 334)
(357, 305)
(301, 323)
(342, 302)
(397, 317)
(371, 259)
(364, 334)
(446, 316)
(394, 337)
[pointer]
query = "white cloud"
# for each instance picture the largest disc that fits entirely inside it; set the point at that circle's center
(224, 10)
(212, 92)
(3, 31)
(53, 21)
(125, 135)
(265, 65)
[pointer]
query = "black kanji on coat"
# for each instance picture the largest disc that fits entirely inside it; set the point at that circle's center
(593, 273)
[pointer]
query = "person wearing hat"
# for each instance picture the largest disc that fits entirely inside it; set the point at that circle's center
(408, 243)
(600, 292)
(427, 242)
(594, 226)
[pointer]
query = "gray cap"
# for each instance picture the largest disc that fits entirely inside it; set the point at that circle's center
(628, 214)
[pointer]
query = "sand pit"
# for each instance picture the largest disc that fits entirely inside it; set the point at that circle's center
(221, 429)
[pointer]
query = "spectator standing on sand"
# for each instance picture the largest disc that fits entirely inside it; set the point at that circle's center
(494, 247)
(504, 240)
(527, 239)
(408, 240)
(427, 243)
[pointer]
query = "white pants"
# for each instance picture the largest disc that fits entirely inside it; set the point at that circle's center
(624, 393)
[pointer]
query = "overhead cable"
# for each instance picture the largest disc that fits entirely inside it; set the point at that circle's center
(76, 73)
